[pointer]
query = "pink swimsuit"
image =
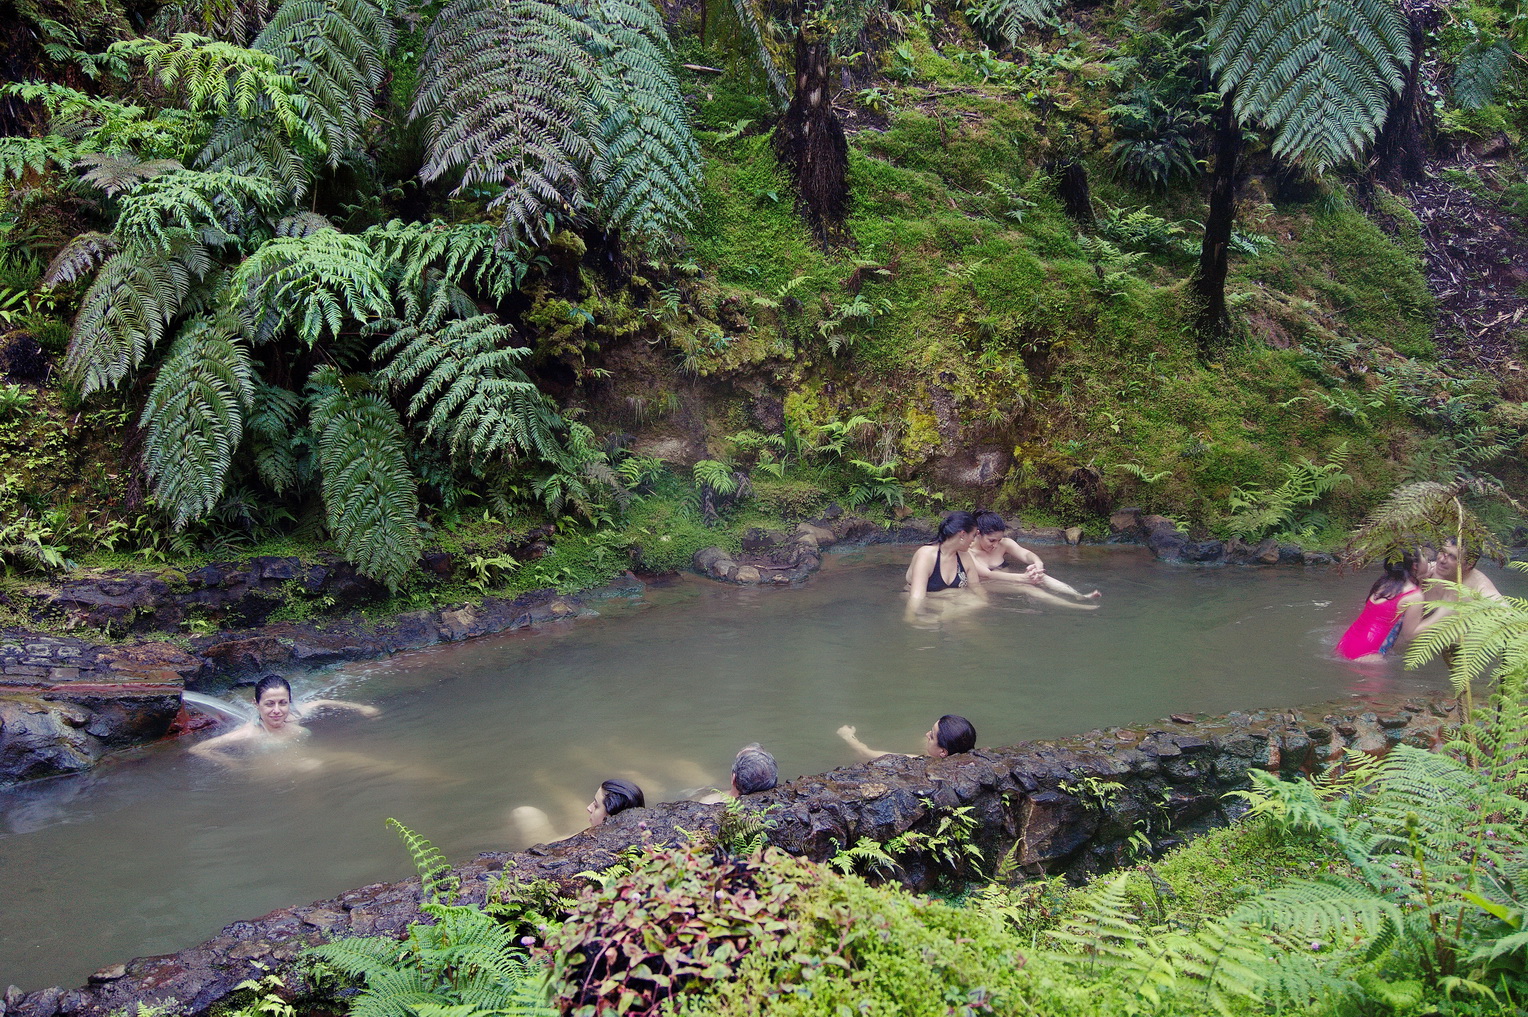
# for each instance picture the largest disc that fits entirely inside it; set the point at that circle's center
(1367, 633)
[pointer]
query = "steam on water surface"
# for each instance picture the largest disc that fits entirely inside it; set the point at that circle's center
(159, 851)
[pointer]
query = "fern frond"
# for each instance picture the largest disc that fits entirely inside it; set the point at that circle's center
(251, 148)
(123, 316)
(209, 75)
(194, 418)
(310, 284)
(1005, 21)
(1317, 73)
(1480, 70)
(459, 252)
(121, 171)
(370, 495)
(79, 258)
(158, 213)
(20, 156)
(1425, 511)
(647, 161)
(468, 389)
(302, 224)
(278, 444)
(333, 50)
(504, 86)
(437, 883)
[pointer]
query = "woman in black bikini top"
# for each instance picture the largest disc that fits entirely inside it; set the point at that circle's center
(932, 562)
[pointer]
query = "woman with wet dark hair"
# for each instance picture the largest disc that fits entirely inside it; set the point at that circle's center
(945, 564)
(276, 718)
(612, 797)
(950, 735)
(1393, 610)
(993, 549)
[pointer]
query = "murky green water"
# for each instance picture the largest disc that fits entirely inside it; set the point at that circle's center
(161, 850)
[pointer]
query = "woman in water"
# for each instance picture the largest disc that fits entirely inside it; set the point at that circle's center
(993, 548)
(613, 796)
(1394, 596)
(949, 735)
(945, 564)
(276, 718)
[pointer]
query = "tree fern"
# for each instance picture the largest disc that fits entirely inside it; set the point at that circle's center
(193, 420)
(123, 316)
(467, 387)
(463, 254)
(311, 285)
(1480, 70)
(562, 107)
(1317, 73)
(278, 444)
(213, 76)
(647, 160)
(20, 156)
(159, 213)
(504, 86)
(79, 258)
(1005, 21)
(120, 172)
(370, 495)
(1258, 510)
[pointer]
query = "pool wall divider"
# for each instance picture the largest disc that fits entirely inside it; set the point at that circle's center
(1069, 806)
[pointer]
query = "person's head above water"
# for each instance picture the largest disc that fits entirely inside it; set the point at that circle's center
(956, 525)
(613, 796)
(753, 770)
(949, 735)
(988, 521)
(273, 701)
(1452, 561)
(1399, 573)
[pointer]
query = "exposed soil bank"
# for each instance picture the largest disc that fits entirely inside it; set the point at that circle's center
(1068, 806)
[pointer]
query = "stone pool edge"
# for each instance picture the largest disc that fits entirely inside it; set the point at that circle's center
(1052, 805)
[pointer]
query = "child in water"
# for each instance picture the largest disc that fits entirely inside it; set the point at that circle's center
(1396, 595)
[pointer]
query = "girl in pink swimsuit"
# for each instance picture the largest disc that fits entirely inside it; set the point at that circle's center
(1394, 598)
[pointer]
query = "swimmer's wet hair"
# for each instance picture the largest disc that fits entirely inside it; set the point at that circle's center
(620, 795)
(955, 734)
(988, 521)
(271, 681)
(955, 522)
(754, 770)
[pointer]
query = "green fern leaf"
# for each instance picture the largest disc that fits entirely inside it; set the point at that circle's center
(468, 388)
(158, 214)
(277, 442)
(20, 156)
(1005, 21)
(1480, 70)
(370, 495)
(311, 285)
(123, 316)
(79, 258)
(461, 254)
(193, 420)
(1318, 73)
(437, 883)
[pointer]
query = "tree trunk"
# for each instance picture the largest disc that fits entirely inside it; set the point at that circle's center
(1072, 189)
(1210, 284)
(810, 141)
(1400, 151)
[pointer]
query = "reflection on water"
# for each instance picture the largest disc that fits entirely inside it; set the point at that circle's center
(162, 849)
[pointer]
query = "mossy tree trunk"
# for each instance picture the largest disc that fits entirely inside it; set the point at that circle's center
(1400, 151)
(1214, 322)
(810, 141)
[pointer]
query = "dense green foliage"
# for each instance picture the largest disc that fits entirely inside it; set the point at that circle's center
(471, 225)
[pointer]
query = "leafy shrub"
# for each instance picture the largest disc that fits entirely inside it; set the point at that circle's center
(680, 920)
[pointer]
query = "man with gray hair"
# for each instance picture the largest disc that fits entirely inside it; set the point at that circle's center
(753, 770)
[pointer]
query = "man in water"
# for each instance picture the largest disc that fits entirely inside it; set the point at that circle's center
(753, 771)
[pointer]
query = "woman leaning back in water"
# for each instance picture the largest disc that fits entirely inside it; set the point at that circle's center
(276, 718)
